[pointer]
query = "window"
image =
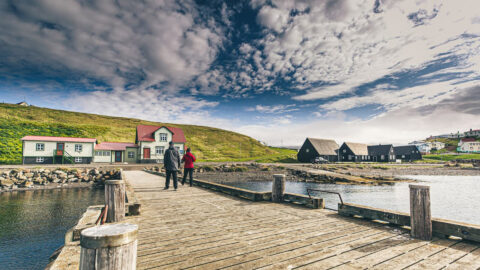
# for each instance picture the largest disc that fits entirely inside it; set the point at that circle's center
(382, 157)
(106, 153)
(40, 159)
(344, 150)
(181, 152)
(177, 148)
(40, 147)
(98, 153)
(349, 157)
(131, 154)
(78, 159)
(403, 156)
(78, 147)
(159, 150)
(163, 137)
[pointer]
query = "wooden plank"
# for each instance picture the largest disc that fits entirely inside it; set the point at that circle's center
(444, 258)
(394, 217)
(420, 213)
(469, 261)
(315, 203)
(459, 229)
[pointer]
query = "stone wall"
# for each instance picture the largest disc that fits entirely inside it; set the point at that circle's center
(29, 178)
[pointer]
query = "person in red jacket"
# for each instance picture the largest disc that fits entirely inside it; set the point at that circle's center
(188, 158)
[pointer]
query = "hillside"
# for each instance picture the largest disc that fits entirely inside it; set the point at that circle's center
(209, 144)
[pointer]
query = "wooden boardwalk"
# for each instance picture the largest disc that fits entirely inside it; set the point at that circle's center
(201, 229)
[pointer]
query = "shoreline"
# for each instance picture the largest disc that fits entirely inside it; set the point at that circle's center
(53, 186)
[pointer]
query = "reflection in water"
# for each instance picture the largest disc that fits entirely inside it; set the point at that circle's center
(33, 223)
(452, 197)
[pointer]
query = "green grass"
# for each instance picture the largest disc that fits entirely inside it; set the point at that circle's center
(207, 143)
(452, 157)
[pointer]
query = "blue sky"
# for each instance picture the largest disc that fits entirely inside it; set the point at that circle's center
(373, 71)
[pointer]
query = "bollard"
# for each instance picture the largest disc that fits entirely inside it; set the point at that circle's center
(420, 215)
(109, 247)
(115, 199)
(278, 187)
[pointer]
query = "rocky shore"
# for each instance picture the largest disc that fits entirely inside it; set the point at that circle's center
(25, 179)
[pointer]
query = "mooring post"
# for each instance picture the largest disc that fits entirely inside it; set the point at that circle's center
(115, 199)
(278, 187)
(420, 214)
(109, 247)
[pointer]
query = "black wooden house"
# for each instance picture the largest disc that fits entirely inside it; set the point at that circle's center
(313, 148)
(407, 153)
(381, 153)
(353, 152)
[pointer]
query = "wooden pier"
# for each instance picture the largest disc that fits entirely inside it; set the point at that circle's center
(203, 229)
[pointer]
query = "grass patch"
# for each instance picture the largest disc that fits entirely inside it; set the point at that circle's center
(451, 157)
(207, 143)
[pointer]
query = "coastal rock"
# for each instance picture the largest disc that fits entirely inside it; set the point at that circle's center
(6, 183)
(27, 184)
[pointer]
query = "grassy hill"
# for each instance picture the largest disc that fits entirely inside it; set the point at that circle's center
(209, 144)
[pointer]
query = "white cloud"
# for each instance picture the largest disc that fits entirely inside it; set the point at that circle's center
(276, 109)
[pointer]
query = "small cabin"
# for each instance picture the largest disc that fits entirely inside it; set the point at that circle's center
(313, 148)
(407, 153)
(381, 153)
(353, 152)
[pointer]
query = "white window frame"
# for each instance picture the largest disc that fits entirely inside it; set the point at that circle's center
(162, 137)
(40, 147)
(131, 154)
(159, 150)
(78, 147)
(98, 153)
(307, 150)
(78, 159)
(382, 157)
(40, 160)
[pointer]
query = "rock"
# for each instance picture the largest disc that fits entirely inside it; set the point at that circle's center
(6, 183)
(56, 180)
(70, 176)
(27, 184)
(2, 178)
(14, 187)
(73, 180)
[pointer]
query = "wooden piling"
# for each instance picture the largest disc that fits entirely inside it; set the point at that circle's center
(115, 199)
(109, 247)
(420, 214)
(278, 187)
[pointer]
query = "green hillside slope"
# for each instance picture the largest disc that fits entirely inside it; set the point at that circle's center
(207, 143)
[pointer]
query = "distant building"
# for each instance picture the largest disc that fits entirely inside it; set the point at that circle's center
(407, 153)
(472, 133)
(381, 153)
(23, 103)
(152, 142)
(355, 152)
(468, 145)
(313, 148)
(57, 150)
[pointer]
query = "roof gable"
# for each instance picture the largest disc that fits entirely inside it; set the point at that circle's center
(58, 139)
(405, 149)
(358, 149)
(146, 133)
(324, 147)
(378, 150)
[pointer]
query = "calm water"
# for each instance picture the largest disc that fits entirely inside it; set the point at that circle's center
(33, 223)
(452, 197)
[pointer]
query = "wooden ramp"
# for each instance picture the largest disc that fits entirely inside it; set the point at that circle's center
(194, 228)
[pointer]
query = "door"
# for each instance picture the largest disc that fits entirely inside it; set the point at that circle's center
(118, 156)
(60, 148)
(146, 153)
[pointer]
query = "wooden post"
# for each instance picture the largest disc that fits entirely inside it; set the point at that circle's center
(420, 215)
(278, 187)
(109, 247)
(115, 199)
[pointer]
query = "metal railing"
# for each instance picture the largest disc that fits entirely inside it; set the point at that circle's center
(325, 191)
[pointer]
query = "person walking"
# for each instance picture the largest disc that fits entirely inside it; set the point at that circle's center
(188, 158)
(171, 162)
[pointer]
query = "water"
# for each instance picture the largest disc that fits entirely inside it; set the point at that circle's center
(452, 197)
(33, 223)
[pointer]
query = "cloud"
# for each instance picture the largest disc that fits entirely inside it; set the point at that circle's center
(120, 43)
(277, 109)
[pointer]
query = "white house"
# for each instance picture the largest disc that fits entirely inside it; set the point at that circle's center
(468, 145)
(152, 142)
(52, 150)
(115, 152)
(472, 133)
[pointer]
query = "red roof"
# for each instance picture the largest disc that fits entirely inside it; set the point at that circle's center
(145, 133)
(119, 146)
(468, 140)
(58, 139)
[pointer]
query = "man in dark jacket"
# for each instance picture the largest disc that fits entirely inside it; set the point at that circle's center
(171, 162)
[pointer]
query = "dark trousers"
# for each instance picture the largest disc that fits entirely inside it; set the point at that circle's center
(175, 180)
(185, 172)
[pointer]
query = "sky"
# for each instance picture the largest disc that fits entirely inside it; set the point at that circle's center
(376, 71)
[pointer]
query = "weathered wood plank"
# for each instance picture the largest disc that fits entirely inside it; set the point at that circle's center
(367, 212)
(469, 261)
(420, 213)
(444, 258)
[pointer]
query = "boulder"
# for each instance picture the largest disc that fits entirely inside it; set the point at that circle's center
(27, 184)
(6, 183)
